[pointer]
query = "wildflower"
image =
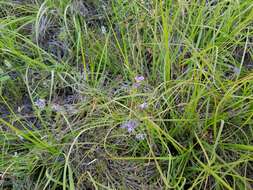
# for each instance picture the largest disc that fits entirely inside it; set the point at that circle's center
(143, 106)
(130, 125)
(139, 79)
(140, 136)
(136, 85)
(40, 103)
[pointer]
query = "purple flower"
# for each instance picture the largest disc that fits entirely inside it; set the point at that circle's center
(138, 79)
(40, 103)
(130, 125)
(143, 106)
(140, 136)
(136, 85)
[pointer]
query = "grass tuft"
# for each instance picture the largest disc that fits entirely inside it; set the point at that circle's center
(126, 94)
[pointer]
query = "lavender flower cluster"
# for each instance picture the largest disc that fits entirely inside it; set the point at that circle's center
(138, 81)
(40, 103)
(130, 126)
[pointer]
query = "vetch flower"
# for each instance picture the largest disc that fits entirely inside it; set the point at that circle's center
(130, 125)
(140, 136)
(40, 103)
(136, 85)
(139, 79)
(143, 106)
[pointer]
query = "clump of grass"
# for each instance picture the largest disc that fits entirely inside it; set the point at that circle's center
(126, 94)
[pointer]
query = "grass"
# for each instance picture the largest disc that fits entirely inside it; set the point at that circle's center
(192, 114)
